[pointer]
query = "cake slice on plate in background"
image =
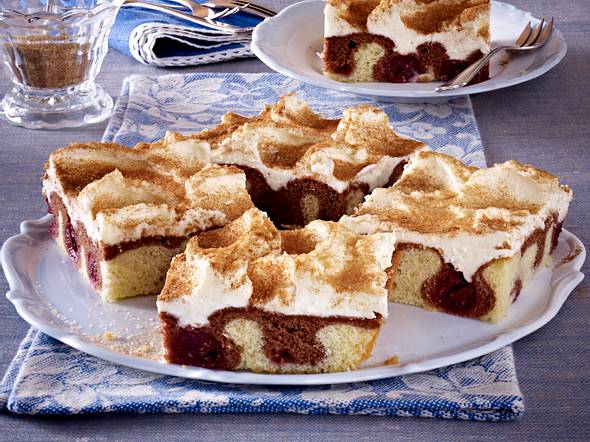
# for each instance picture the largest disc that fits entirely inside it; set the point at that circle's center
(404, 41)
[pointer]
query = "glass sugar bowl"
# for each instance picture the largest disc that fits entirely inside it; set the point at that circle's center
(52, 50)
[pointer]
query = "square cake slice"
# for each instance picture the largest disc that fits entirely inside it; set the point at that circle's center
(468, 240)
(121, 214)
(301, 166)
(403, 41)
(250, 297)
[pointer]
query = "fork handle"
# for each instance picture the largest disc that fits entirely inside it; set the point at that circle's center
(467, 75)
(192, 18)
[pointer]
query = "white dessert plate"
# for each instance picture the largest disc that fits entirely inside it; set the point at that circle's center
(49, 294)
(288, 42)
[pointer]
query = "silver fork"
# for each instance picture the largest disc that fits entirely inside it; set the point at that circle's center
(199, 19)
(199, 10)
(247, 6)
(529, 39)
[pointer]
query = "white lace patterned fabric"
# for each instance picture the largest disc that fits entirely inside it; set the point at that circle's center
(48, 377)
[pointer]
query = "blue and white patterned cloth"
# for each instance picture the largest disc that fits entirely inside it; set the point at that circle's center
(158, 39)
(48, 377)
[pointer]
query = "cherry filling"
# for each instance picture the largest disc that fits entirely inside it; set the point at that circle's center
(450, 68)
(282, 356)
(398, 69)
(393, 67)
(71, 242)
(205, 350)
(449, 291)
(54, 226)
(93, 270)
(196, 346)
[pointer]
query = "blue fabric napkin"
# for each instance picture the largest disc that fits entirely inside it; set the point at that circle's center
(48, 377)
(159, 39)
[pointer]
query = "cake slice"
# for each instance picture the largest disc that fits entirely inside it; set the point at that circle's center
(250, 297)
(403, 41)
(468, 240)
(301, 166)
(121, 214)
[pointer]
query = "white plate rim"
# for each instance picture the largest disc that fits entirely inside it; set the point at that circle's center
(268, 26)
(18, 283)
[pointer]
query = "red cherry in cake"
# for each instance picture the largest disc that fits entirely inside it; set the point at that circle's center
(451, 68)
(282, 356)
(93, 270)
(398, 69)
(71, 242)
(198, 347)
(54, 226)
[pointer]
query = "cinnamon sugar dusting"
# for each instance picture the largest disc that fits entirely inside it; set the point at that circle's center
(326, 253)
(227, 251)
(221, 188)
(368, 127)
(296, 242)
(182, 281)
(438, 194)
(355, 12)
(165, 188)
(358, 272)
(280, 270)
(423, 16)
(283, 156)
(289, 140)
(432, 16)
(271, 279)
(253, 236)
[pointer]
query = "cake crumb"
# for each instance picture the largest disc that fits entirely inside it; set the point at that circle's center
(109, 336)
(145, 350)
(392, 360)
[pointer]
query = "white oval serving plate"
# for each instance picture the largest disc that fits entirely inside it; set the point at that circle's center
(48, 293)
(288, 42)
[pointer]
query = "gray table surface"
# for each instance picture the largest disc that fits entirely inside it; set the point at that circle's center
(543, 122)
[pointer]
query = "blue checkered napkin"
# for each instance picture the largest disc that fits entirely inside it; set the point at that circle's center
(159, 39)
(47, 376)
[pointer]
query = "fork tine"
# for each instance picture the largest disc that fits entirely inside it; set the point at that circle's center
(535, 34)
(225, 13)
(546, 33)
(256, 7)
(262, 9)
(524, 35)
